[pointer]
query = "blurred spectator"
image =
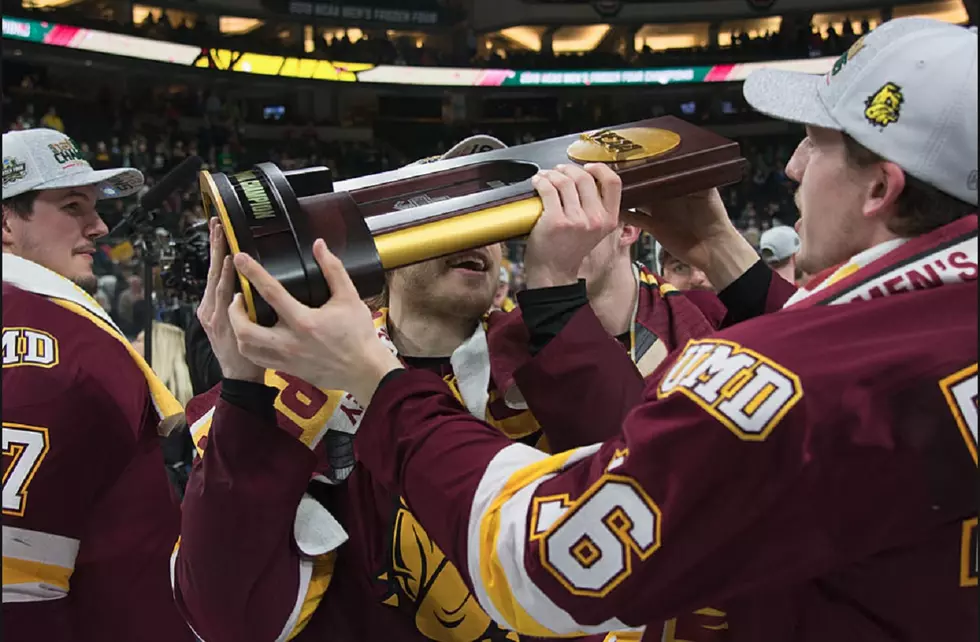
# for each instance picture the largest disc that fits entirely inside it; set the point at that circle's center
(501, 298)
(51, 120)
(126, 305)
(778, 247)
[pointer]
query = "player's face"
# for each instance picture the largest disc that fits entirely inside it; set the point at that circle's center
(460, 285)
(60, 234)
(684, 277)
(830, 198)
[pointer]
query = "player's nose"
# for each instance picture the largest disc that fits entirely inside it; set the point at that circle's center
(797, 163)
(95, 226)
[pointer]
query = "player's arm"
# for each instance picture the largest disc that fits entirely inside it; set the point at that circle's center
(755, 293)
(713, 488)
(571, 351)
(65, 439)
(238, 574)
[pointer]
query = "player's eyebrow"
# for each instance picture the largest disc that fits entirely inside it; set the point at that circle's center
(76, 194)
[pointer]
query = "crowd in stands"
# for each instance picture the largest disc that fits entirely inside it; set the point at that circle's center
(143, 132)
(382, 46)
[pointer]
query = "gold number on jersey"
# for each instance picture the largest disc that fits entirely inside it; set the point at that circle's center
(29, 347)
(960, 391)
(969, 552)
(590, 548)
(745, 391)
(24, 448)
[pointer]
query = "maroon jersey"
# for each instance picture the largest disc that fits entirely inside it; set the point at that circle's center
(389, 581)
(812, 470)
(664, 319)
(89, 517)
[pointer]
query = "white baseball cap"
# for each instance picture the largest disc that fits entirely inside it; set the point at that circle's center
(778, 244)
(35, 159)
(906, 91)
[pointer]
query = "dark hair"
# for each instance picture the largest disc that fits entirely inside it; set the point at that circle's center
(921, 207)
(23, 204)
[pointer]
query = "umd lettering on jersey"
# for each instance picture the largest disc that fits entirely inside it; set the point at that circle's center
(745, 391)
(29, 347)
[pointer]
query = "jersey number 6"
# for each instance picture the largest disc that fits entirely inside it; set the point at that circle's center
(590, 548)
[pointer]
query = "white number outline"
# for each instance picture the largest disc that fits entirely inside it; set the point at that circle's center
(621, 532)
(28, 446)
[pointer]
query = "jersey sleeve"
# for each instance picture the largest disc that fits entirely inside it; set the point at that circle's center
(756, 292)
(66, 438)
(714, 487)
(582, 357)
(237, 572)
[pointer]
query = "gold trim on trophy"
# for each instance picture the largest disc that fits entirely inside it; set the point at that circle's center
(209, 197)
(618, 145)
(465, 231)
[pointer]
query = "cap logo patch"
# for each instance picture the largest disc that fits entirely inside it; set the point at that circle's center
(13, 169)
(847, 56)
(124, 183)
(884, 107)
(66, 153)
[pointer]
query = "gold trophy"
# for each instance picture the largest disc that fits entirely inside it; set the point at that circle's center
(424, 211)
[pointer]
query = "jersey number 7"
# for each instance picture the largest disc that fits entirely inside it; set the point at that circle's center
(24, 448)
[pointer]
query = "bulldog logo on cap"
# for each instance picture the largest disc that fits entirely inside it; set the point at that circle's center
(884, 107)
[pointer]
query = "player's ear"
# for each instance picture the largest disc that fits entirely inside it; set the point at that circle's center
(8, 232)
(886, 185)
(628, 234)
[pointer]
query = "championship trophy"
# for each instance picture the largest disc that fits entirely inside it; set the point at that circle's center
(420, 212)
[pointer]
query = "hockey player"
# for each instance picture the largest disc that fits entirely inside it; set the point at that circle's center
(800, 467)
(388, 581)
(89, 518)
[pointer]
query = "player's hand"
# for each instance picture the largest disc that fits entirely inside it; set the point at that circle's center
(697, 230)
(334, 346)
(213, 311)
(581, 206)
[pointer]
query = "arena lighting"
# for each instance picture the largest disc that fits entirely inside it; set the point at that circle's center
(228, 60)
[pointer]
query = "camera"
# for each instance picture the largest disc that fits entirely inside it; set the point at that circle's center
(184, 260)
